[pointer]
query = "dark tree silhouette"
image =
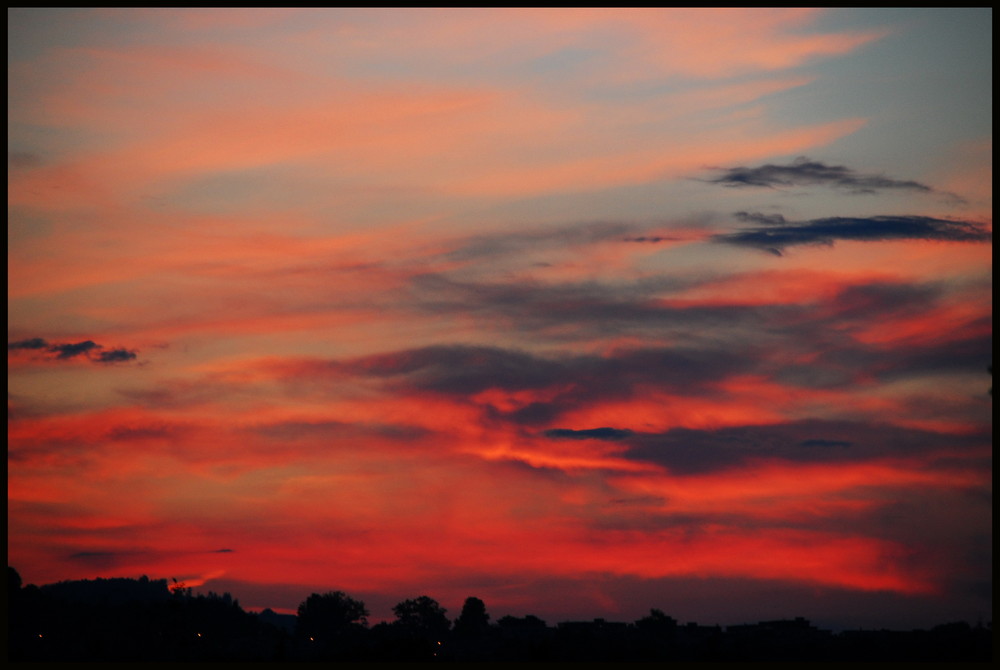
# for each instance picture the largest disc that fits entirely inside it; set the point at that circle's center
(656, 622)
(418, 633)
(527, 622)
(473, 621)
(330, 614)
(422, 617)
(13, 581)
(138, 620)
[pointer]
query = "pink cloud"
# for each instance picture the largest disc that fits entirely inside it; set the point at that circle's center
(221, 108)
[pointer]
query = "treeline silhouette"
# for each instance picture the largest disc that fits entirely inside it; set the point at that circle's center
(122, 619)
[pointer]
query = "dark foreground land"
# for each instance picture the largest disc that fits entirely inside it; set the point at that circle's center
(144, 620)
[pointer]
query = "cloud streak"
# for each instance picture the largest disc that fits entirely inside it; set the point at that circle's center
(605, 433)
(88, 349)
(778, 234)
(805, 172)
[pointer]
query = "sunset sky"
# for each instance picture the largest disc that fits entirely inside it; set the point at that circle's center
(581, 312)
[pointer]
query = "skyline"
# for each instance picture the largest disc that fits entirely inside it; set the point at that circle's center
(594, 310)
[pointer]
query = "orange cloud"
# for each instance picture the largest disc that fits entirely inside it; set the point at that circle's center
(726, 41)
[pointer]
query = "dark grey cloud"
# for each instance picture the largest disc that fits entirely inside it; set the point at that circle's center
(116, 356)
(113, 558)
(825, 443)
(779, 234)
(460, 369)
(761, 219)
(33, 343)
(604, 433)
(768, 341)
(290, 432)
(512, 242)
(830, 331)
(105, 560)
(804, 172)
(857, 304)
(66, 351)
(575, 380)
(961, 354)
(692, 451)
(652, 239)
(537, 413)
(720, 340)
(63, 351)
(823, 326)
(594, 309)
